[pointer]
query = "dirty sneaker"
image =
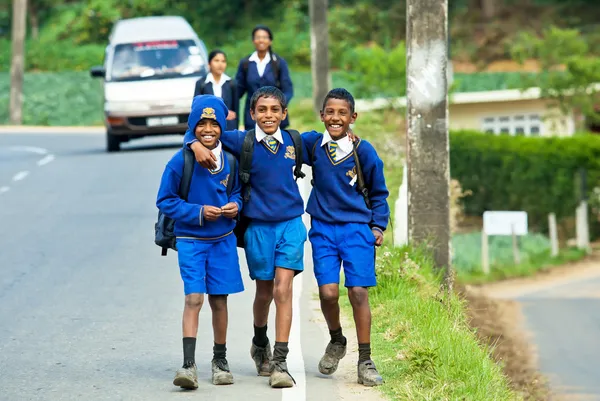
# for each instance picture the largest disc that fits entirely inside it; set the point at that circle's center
(262, 357)
(329, 362)
(280, 377)
(368, 374)
(186, 377)
(220, 372)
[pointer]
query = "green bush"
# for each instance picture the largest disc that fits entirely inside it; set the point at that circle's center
(536, 175)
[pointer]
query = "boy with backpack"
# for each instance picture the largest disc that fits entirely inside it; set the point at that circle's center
(204, 204)
(271, 229)
(349, 213)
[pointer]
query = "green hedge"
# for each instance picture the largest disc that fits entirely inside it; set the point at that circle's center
(536, 175)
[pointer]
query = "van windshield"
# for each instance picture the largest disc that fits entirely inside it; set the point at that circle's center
(156, 60)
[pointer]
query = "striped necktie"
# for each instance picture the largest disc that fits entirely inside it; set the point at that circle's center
(332, 150)
(272, 142)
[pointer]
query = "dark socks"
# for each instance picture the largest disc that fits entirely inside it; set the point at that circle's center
(337, 336)
(260, 336)
(280, 351)
(364, 352)
(219, 351)
(189, 351)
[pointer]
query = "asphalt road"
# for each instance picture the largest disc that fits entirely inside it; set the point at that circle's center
(565, 322)
(89, 310)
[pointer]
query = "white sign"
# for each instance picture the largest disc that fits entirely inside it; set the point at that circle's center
(503, 223)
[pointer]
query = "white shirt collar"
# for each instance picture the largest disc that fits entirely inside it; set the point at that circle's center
(344, 143)
(260, 134)
(217, 152)
(254, 57)
(224, 78)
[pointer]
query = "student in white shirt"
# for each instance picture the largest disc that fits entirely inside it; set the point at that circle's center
(263, 68)
(217, 83)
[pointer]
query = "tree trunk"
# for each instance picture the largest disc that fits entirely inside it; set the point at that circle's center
(427, 134)
(488, 9)
(34, 21)
(17, 68)
(319, 60)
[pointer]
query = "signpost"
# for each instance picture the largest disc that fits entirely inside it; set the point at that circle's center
(502, 223)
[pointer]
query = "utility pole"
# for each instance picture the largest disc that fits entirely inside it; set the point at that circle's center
(427, 129)
(17, 68)
(319, 45)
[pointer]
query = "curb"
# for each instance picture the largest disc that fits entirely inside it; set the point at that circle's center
(34, 129)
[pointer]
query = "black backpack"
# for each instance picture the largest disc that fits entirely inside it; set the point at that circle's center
(164, 236)
(246, 165)
(360, 178)
(274, 66)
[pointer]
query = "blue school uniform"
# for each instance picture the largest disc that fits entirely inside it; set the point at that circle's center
(341, 230)
(226, 91)
(276, 234)
(254, 78)
(207, 252)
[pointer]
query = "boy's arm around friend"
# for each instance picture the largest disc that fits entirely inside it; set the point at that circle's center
(231, 140)
(168, 200)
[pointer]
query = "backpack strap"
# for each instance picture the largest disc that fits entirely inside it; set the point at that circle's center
(297, 139)
(186, 177)
(276, 69)
(274, 66)
(246, 163)
(312, 161)
(360, 179)
(232, 162)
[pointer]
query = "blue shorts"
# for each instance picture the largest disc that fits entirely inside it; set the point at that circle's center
(210, 267)
(352, 244)
(269, 245)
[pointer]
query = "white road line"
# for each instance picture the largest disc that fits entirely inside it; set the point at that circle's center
(32, 149)
(4, 189)
(45, 160)
(295, 358)
(20, 175)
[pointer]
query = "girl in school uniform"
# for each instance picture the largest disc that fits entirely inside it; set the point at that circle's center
(221, 85)
(263, 68)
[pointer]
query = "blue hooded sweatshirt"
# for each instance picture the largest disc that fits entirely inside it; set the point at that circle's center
(207, 188)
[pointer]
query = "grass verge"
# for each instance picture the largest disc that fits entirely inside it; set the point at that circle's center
(536, 264)
(421, 338)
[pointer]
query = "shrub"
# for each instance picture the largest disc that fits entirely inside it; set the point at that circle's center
(536, 175)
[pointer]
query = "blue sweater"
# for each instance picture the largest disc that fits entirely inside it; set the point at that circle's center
(250, 82)
(333, 199)
(274, 194)
(206, 188)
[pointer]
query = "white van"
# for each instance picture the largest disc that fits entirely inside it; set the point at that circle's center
(150, 69)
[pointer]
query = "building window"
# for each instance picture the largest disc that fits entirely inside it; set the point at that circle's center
(517, 125)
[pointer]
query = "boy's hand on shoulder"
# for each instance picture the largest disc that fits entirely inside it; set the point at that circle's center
(204, 156)
(378, 236)
(230, 210)
(212, 213)
(352, 135)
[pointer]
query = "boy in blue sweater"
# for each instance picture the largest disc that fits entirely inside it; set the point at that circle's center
(345, 230)
(274, 240)
(206, 245)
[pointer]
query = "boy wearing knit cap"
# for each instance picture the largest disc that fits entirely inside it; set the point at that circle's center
(206, 245)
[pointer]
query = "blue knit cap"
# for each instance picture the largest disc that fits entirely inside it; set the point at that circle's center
(210, 107)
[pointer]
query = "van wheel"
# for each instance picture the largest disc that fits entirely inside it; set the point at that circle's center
(113, 143)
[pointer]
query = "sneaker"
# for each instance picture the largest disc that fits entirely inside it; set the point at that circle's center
(329, 362)
(262, 358)
(280, 377)
(220, 372)
(368, 374)
(186, 377)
